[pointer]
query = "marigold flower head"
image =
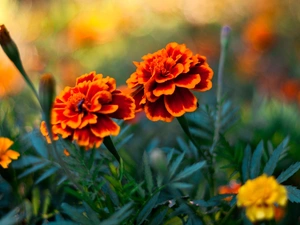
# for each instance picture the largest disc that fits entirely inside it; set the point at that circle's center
(162, 82)
(84, 113)
(232, 188)
(6, 155)
(260, 197)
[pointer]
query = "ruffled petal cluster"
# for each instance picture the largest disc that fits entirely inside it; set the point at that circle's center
(84, 113)
(163, 81)
(6, 154)
(260, 197)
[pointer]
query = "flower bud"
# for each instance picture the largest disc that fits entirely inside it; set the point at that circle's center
(225, 36)
(158, 161)
(12, 52)
(8, 45)
(46, 96)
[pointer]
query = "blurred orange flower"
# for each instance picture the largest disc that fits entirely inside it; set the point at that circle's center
(83, 113)
(232, 188)
(10, 80)
(6, 155)
(162, 82)
(259, 33)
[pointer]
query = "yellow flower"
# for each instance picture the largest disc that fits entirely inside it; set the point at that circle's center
(260, 197)
(6, 155)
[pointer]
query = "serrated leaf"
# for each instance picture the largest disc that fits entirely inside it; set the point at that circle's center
(159, 217)
(148, 173)
(34, 168)
(288, 172)
(272, 162)
(293, 194)
(118, 216)
(147, 209)
(246, 164)
(189, 171)
(256, 160)
(46, 174)
(176, 164)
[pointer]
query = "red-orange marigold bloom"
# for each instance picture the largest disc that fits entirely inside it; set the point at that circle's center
(232, 188)
(83, 113)
(162, 82)
(6, 155)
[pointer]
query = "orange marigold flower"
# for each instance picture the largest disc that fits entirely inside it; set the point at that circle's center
(45, 133)
(162, 82)
(232, 188)
(84, 113)
(260, 197)
(6, 155)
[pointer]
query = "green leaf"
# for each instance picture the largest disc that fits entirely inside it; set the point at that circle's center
(272, 162)
(148, 173)
(170, 155)
(147, 209)
(293, 194)
(176, 164)
(256, 160)
(34, 168)
(194, 220)
(189, 170)
(75, 214)
(39, 143)
(182, 185)
(159, 217)
(26, 161)
(14, 217)
(246, 164)
(46, 174)
(288, 172)
(119, 216)
(110, 147)
(62, 223)
(92, 215)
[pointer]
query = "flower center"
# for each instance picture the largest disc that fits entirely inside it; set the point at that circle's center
(76, 101)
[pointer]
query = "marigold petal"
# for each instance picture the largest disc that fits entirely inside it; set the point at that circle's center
(138, 96)
(105, 127)
(110, 82)
(126, 107)
(157, 111)
(86, 78)
(206, 74)
(149, 87)
(166, 88)
(90, 118)
(132, 81)
(12, 154)
(74, 122)
(180, 102)
(82, 136)
(107, 109)
(5, 143)
(187, 80)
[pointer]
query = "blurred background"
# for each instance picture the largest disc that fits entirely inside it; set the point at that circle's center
(69, 38)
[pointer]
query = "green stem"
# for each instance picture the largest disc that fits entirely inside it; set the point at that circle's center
(208, 158)
(224, 46)
(228, 215)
